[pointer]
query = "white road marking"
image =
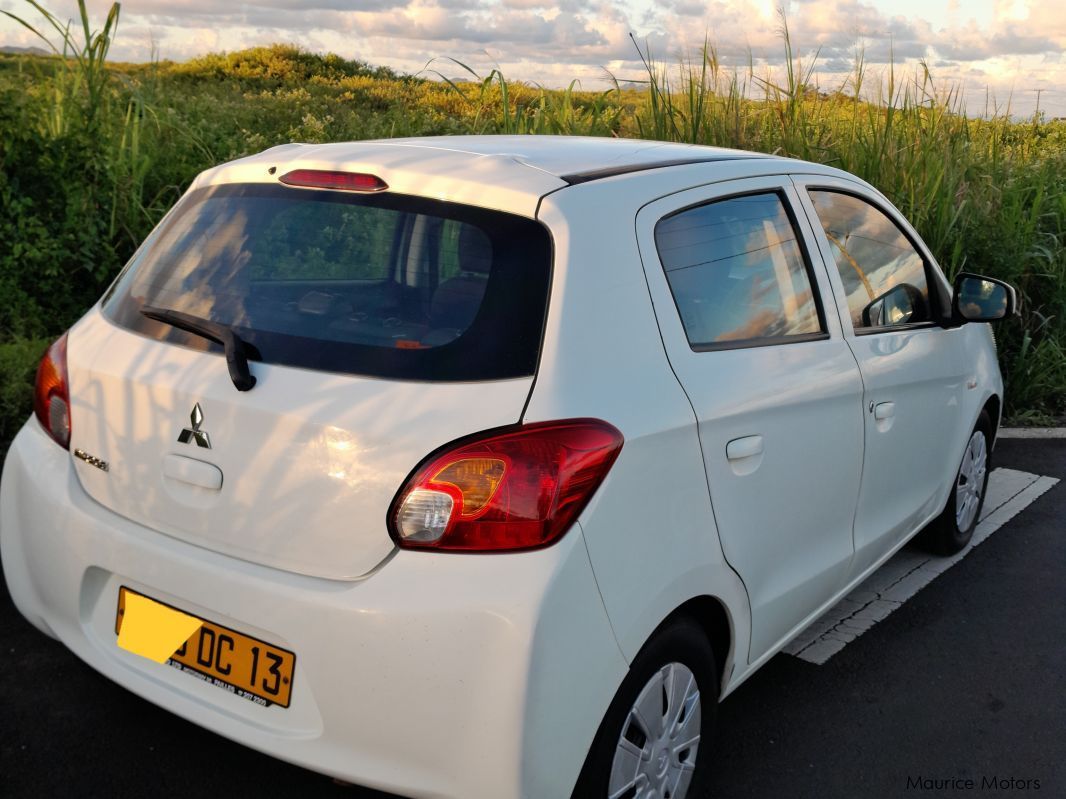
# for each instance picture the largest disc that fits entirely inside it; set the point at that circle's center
(908, 572)
(1031, 432)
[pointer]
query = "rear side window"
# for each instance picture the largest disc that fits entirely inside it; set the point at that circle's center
(883, 274)
(737, 273)
(383, 285)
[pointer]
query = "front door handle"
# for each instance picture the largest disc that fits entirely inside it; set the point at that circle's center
(744, 454)
(884, 410)
(740, 448)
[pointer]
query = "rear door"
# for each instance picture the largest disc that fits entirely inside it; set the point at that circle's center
(775, 389)
(912, 368)
(380, 328)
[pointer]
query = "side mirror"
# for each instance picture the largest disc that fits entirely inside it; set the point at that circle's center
(982, 299)
(899, 305)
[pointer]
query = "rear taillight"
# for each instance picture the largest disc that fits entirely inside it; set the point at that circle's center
(51, 393)
(518, 488)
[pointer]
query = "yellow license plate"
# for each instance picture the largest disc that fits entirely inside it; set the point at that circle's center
(243, 665)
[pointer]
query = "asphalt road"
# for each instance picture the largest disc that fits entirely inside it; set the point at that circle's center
(966, 680)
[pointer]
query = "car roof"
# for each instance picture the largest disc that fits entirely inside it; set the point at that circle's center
(577, 159)
(510, 173)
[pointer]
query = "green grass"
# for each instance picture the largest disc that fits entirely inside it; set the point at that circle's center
(93, 154)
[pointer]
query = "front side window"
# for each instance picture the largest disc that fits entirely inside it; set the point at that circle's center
(883, 275)
(737, 272)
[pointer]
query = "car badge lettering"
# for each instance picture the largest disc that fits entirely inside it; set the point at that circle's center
(194, 433)
(92, 460)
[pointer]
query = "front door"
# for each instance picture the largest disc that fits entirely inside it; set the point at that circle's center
(911, 369)
(774, 386)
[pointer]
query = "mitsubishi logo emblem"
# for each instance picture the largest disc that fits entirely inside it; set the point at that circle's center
(194, 433)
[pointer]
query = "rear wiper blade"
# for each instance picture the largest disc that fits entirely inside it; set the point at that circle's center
(236, 348)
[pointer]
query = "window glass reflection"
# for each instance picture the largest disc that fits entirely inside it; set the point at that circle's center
(736, 271)
(883, 275)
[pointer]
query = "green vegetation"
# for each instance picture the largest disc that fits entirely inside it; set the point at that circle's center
(18, 365)
(93, 154)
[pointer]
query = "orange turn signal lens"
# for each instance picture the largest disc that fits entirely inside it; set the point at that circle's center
(476, 479)
(51, 393)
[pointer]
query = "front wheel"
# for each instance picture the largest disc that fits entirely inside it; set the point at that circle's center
(953, 529)
(654, 742)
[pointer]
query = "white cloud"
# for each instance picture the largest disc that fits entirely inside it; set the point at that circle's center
(1001, 45)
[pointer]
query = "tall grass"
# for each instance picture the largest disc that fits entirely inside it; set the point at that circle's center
(493, 106)
(93, 153)
(987, 194)
(80, 82)
(90, 132)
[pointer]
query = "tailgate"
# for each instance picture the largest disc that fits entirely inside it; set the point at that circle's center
(306, 464)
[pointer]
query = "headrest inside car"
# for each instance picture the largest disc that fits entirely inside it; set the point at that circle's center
(475, 250)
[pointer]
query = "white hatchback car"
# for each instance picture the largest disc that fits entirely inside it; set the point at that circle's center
(523, 451)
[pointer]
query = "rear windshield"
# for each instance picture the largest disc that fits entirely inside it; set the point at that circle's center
(384, 285)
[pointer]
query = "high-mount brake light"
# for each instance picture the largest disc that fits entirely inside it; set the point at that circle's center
(326, 179)
(51, 393)
(504, 490)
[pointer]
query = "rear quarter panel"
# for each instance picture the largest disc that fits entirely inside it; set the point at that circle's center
(650, 528)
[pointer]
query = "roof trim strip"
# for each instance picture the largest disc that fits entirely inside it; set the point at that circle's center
(609, 172)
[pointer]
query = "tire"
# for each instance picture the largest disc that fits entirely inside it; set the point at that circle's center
(953, 528)
(658, 677)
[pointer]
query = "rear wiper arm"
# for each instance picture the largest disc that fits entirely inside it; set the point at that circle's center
(236, 348)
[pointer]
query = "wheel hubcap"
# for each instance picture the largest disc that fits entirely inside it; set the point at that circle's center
(971, 481)
(656, 752)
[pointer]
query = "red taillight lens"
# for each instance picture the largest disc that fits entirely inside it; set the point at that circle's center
(325, 179)
(51, 393)
(519, 488)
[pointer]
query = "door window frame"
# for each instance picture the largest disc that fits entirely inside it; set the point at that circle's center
(649, 217)
(936, 282)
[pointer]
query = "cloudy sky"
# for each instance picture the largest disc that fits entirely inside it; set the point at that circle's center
(1005, 50)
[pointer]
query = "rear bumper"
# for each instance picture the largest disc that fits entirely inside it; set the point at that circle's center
(437, 675)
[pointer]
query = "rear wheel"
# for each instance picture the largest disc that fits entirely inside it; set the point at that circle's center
(654, 741)
(953, 529)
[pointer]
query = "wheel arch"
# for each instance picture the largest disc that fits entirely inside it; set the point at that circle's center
(709, 615)
(993, 407)
(713, 618)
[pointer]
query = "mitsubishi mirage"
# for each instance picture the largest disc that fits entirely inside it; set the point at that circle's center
(487, 466)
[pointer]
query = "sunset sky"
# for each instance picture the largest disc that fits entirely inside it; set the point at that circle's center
(1008, 48)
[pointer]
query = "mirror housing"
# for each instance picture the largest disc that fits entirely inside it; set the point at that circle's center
(982, 299)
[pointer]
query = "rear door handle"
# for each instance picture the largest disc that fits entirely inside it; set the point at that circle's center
(884, 410)
(740, 448)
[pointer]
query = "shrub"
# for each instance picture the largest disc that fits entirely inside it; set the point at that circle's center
(18, 367)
